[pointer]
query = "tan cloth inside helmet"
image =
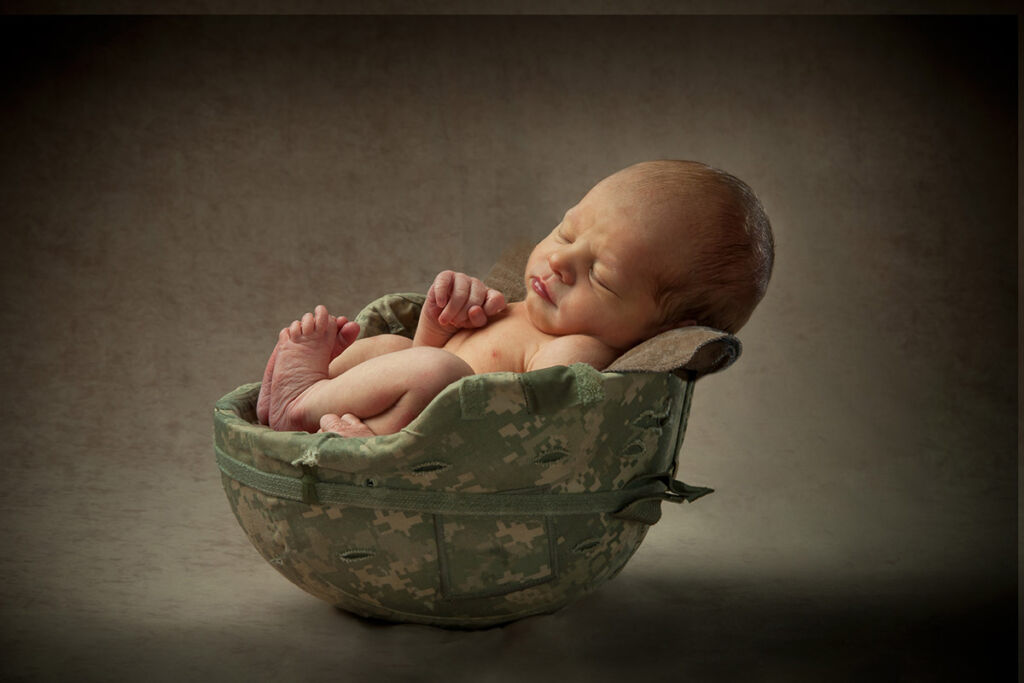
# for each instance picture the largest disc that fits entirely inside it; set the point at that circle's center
(702, 350)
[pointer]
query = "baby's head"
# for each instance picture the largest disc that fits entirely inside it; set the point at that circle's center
(719, 236)
(655, 246)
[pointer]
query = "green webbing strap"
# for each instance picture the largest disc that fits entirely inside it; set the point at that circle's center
(308, 490)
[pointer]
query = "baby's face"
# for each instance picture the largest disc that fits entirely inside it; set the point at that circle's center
(597, 272)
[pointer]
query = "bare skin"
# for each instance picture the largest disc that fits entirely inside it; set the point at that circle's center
(347, 332)
(346, 425)
(386, 391)
(590, 286)
(303, 354)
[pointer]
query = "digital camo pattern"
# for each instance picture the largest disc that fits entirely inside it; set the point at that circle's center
(558, 430)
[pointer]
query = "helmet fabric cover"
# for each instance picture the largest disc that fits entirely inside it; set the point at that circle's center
(511, 494)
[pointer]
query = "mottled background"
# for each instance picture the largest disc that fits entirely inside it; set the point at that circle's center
(175, 189)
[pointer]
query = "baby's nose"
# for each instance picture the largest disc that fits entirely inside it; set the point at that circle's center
(560, 263)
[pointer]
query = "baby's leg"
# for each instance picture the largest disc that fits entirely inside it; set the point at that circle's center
(364, 349)
(347, 332)
(386, 392)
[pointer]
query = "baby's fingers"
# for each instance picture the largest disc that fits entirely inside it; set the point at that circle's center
(474, 315)
(442, 287)
(460, 291)
(477, 292)
(477, 317)
(495, 302)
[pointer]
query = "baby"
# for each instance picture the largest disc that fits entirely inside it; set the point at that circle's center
(656, 246)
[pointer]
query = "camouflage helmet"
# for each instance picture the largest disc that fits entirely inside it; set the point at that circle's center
(511, 494)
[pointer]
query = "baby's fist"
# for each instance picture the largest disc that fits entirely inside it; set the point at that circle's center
(456, 300)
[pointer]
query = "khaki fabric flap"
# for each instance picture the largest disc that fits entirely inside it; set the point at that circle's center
(702, 350)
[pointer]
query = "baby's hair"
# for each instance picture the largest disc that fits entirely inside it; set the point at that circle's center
(731, 254)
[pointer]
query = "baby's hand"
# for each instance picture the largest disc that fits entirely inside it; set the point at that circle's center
(456, 300)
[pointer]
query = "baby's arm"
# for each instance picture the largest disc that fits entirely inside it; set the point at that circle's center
(455, 301)
(573, 348)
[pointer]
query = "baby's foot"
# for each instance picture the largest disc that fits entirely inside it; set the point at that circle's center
(346, 425)
(303, 355)
(347, 333)
(263, 402)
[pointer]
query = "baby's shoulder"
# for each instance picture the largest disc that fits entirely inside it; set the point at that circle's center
(572, 348)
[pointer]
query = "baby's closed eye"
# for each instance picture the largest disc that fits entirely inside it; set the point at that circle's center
(599, 281)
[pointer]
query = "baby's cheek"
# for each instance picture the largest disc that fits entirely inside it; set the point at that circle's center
(537, 315)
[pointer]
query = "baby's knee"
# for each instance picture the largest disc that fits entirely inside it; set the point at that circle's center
(437, 368)
(380, 344)
(416, 376)
(362, 350)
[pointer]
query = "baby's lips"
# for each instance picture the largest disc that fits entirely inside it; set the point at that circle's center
(538, 286)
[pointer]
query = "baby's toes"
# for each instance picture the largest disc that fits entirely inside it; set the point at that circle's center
(308, 325)
(347, 331)
(322, 320)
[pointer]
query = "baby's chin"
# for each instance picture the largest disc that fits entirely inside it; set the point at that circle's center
(539, 312)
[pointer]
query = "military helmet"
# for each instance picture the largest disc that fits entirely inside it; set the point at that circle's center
(511, 494)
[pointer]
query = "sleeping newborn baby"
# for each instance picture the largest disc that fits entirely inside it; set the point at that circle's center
(656, 246)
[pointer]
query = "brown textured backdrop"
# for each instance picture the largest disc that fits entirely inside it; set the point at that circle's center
(176, 189)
